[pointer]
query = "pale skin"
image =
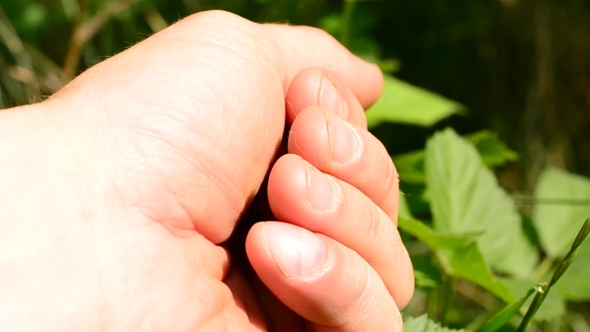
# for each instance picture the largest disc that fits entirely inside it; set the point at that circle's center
(118, 193)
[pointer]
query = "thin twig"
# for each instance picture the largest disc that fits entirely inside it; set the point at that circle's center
(17, 49)
(92, 27)
(74, 50)
(529, 200)
(84, 31)
(154, 19)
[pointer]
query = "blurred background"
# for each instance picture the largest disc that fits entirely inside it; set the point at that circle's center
(519, 67)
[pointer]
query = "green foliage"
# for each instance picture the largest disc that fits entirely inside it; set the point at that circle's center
(574, 284)
(459, 256)
(404, 103)
(466, 198)
(492, 150)
(543, 289)
(552, 308)
(427, 275)
(433, 239)
(477, 227)
(564, 205)
(410, 167)
(424, 324)
(469, 263)
(505, 315)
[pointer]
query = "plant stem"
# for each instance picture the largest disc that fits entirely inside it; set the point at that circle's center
(17, 49)
(530, 200)
(347, 22)
(75, 45)
(444, 296)
(544, 288)
(84, 31)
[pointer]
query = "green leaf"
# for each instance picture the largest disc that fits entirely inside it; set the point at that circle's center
(492, 150)
(553, 306)
(433, 239)
(465, 198)
(424, 324)
(503, 316)
(402, 102)
(574, 285)
(415, 197)
(426, 274)
(557, 220)
(410, 167)
(459, 256)
(403, 210)
(468, 263)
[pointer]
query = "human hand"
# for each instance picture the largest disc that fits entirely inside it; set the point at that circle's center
(121, 187)
(337, 181)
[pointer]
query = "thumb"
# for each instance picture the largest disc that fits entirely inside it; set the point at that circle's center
(184, 126)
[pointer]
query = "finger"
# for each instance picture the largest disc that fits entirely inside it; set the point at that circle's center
(302, 195)
(320, 279)
(311, 47)
(184, 125)
(349, 153)
(318, 87)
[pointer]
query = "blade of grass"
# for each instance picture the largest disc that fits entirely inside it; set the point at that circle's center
(504, 315)
(347, 21)
(154, 19)
(546, 287)
(17, 49)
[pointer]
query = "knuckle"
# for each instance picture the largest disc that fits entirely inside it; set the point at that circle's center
(215, 16)
(317, 32)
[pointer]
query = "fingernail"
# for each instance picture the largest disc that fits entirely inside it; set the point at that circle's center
(297, 251)
(344, 141)
(330, 98)
(322, 192)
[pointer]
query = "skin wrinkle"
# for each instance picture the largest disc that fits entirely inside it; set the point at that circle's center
(238, 38)
(203, 168)
(374, 229)
(225, 134)
(189, 154)
(358, 280)
(367, 297)
(267, 132)
(189, 128)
